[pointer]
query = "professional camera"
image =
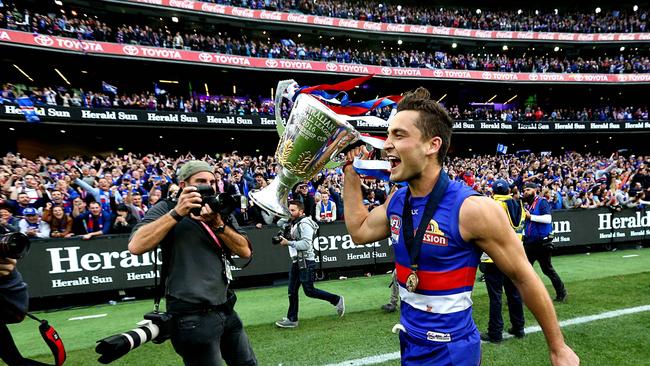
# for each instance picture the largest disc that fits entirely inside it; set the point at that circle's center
(284, 233)
(155, 327)
(222, 203)
(14, 245)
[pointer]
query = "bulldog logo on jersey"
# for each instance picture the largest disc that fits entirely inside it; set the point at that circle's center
(395, 225)
(434, 236)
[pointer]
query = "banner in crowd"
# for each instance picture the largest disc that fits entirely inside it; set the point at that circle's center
(138, 117)
(406, 29)
(67, 266)
(42, 41)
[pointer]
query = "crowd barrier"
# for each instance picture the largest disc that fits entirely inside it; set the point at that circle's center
(133, 117)
(70, 266)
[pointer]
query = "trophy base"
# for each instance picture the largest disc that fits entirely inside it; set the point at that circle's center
(275, 209)
(273, 198)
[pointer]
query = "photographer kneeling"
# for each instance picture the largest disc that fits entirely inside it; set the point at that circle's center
(196, 248)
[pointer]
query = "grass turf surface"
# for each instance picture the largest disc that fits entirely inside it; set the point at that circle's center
(596, 283)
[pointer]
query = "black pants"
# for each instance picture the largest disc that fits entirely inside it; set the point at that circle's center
(204, 339)
(8, 351)
(537, 252)
(496, 282)
(305, 277)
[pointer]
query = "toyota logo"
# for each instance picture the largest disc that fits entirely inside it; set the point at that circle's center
(578, 77)
(205, 57)
(533, 77)
(486, 76)
(622, 78)
(43, 40)
(271, 63)
(331, 67)
(386, 70)
(438, 73)
(130, 50)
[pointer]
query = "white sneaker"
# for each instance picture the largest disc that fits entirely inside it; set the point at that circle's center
(340, 306)
(286, 323)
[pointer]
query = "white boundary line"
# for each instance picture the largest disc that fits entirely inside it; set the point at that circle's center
(88, 317)
(534, 329)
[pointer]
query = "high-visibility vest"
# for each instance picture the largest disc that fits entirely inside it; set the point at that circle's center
(517, 223)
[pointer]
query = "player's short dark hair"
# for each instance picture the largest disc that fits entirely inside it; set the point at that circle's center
(433, 118)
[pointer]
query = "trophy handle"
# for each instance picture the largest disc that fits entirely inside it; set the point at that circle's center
(282, 88)
(337, 161)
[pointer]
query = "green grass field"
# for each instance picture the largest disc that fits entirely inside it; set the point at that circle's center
(596, 283)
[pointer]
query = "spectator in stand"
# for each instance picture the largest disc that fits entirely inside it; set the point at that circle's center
(104, 194)
(371, 200)
(69, 194)
(79, 213)
(124, 221)
(97, 221)
(58, 199)
(154, 196)
(135, 200)
(302, 194)
(326, 208)
(60, 222)
(246, 45)
(8, 223)
(260, 182)
(32, 225)
(20, 204)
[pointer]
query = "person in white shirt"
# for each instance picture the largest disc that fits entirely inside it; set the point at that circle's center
(32, 225)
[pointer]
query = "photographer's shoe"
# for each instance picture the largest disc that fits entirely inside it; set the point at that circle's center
(389, 308)
(561, 297)
(286, 323)
(486, 338)
(340, 306)
(517, 333)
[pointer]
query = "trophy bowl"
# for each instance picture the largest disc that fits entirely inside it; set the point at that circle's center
(313, 136)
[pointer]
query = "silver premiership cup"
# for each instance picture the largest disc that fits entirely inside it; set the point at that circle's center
(313, 136)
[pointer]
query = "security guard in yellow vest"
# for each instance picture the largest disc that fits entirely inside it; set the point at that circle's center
(496, 281)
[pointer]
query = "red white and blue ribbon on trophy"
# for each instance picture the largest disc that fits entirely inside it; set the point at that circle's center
(336, 98)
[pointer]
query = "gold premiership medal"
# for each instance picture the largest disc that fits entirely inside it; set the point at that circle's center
(412, 282)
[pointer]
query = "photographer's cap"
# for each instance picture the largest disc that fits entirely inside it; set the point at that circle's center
(192, 167)
(29, 211)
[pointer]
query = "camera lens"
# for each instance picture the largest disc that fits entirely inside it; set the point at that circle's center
(14, 245)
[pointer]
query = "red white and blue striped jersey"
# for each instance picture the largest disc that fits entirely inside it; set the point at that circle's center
(441, 307)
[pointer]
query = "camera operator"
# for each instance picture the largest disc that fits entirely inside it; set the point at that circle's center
(196, 276)
(303, 267)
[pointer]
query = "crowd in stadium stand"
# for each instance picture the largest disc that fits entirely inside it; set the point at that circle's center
(92, 29)
(542, 20)
(94, 196)
(160, 100)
